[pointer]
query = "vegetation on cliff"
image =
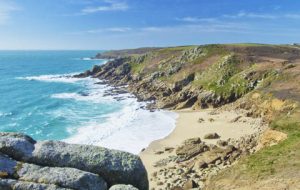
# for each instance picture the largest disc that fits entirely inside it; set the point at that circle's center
(263, 79)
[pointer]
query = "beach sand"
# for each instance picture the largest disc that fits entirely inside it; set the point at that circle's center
(188, 126)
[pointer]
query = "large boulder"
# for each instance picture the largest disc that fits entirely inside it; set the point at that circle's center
(115, 167)
(63, 177)
(17, 146)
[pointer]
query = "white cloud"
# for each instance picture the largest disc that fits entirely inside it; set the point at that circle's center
(243, 14)
(110, 5)
(197, 19)
(6, 9)
(114, 29)
(292, 16)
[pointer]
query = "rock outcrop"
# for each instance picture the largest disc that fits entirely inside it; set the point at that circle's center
(27, 164)
(194, 76)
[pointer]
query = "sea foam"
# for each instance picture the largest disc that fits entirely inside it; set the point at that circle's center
(67, 78)
(130, 128)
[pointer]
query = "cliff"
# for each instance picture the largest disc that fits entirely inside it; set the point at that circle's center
(261, 79)
(198, 76)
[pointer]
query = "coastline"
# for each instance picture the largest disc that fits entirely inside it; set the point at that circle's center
(188, 126)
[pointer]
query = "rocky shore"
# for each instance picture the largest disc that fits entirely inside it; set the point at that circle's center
(194, 76)
(203, 143)
(26, 164)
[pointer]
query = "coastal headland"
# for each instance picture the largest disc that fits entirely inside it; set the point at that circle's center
(238, 105)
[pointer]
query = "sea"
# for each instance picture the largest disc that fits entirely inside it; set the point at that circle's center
(39, 97)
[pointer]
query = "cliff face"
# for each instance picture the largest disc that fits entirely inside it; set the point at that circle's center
(197, 76)
(51, 165)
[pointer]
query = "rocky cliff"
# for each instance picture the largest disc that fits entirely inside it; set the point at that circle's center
(197, 76)
(52, 165)
(261, 79)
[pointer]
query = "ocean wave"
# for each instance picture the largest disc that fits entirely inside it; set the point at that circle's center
(95, 98)
(3, 114)
(131, 129)
(87, 59)
(64, 78)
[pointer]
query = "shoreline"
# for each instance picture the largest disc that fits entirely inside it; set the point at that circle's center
(188, 126)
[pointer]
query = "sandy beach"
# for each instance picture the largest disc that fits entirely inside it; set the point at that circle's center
(192, 124)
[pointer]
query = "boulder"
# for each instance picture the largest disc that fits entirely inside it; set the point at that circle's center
(210, 157)
(63, 177)
(222, 143)
(10, 184)
(190, 184)
(7, 166)
(17, 146)
(211, 136)
(115, 167)
(190, 148)
(123, 187)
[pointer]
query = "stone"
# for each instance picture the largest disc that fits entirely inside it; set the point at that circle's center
(160, 183)
(210, 157)
(211, 120)
(190, 184)
(235, 119)
(190, 150)
(15, 145)
(115, 167)
(211, 136)
(158, 152)
(200, 120)
(222, 143)
(169, 149)
(63, 177)
(218, 162)
(201, 165)
(7, 166)
(123, 187)
(195, 140)
(10, 184)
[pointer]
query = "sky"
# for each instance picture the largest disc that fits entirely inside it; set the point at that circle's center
(119, 24)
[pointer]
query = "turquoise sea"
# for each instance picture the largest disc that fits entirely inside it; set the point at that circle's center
(40, 98)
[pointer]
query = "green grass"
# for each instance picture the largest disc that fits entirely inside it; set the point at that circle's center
(210, 50)
(278, 157)
(136, 68)
(217, 77)
(284, 156)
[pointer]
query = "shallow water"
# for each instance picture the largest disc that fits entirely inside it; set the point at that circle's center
(39, 98)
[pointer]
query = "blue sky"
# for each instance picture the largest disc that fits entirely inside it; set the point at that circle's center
(117, 24)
